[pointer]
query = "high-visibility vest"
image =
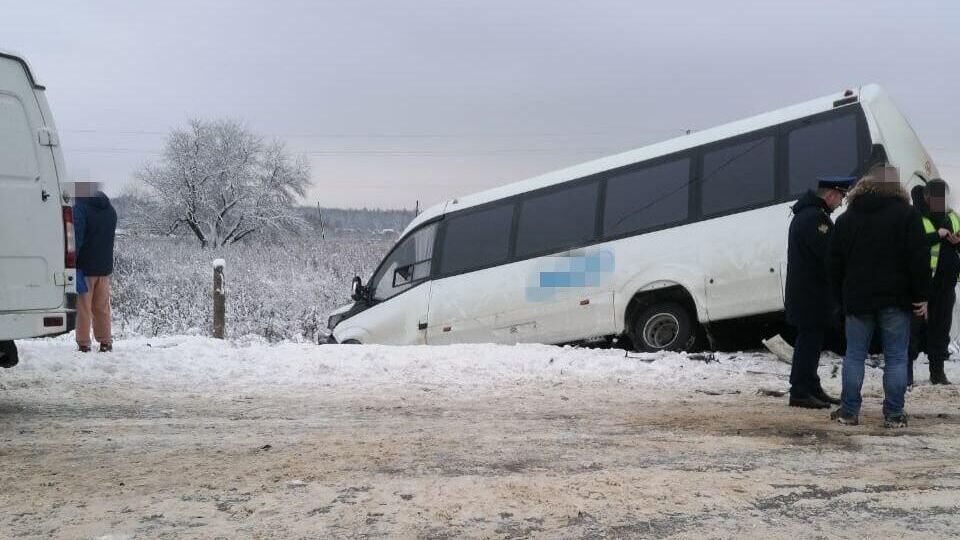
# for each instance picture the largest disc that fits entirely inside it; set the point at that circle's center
(929, 228)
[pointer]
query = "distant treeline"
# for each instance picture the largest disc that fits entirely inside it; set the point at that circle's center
(357, 220)
(335, 220)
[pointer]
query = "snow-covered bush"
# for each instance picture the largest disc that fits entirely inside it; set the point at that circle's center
(281, 290)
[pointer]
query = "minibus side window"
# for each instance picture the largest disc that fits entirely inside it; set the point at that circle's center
(557, 220)
(739, 175)
(647, 198)
(408, 264)
(476, 239)
(822, 148)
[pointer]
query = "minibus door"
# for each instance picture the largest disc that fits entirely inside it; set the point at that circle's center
(752, 289)
(743, 278)
(401, 320)
(400, 291)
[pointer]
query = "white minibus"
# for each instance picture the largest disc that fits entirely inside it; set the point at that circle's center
(37, 256)
(663, 245)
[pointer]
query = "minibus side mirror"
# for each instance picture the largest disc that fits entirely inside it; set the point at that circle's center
(357, 291)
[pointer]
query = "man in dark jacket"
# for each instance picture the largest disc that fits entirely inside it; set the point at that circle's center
(809, 303)
(941, 225)
(879, 268)
(95, 224)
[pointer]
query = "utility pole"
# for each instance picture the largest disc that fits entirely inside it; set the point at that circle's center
(219, 301)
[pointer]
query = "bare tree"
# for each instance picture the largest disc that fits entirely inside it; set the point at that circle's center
(221, 182)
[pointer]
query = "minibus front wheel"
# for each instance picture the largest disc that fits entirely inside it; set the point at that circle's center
(664, 326)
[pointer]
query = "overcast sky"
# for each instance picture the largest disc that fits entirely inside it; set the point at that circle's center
(399, 101)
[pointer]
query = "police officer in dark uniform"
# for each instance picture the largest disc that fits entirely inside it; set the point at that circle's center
(809, 303)
(932, 336)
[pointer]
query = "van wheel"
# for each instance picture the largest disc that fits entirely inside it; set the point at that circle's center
(8, 354)
(665, 326)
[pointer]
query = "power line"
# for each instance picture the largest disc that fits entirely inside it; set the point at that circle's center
(379, 152)
(110, 151)
(116, 132)
(606, 133)
(402, 152)
(490, 152)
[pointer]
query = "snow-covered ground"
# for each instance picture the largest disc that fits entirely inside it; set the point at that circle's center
(189, 437)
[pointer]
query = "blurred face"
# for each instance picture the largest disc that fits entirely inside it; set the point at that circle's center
(937, 204)
(936, 197)
(888, 174)
(85, 189)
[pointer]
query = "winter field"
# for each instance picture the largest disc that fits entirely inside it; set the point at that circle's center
(188, 437)
(268, 435)
(279, 290)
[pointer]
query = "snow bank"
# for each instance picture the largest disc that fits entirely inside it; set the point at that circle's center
(251, 363)
(209, 365)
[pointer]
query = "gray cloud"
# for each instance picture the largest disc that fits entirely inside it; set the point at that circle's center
(395, 102)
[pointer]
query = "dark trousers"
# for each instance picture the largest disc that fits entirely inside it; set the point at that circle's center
(804, 380)
(932, 336)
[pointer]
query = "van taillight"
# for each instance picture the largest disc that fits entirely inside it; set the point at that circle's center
(69, 240)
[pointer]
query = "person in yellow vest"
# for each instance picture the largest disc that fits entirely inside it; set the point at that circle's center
(941, 225)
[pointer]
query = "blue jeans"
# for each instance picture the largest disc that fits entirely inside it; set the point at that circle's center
(894, 325)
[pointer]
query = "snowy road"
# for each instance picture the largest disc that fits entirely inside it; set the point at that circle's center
(186, 437)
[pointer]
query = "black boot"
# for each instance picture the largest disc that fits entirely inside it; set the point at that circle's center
(937, 376)
(820, 394)
(808, 402)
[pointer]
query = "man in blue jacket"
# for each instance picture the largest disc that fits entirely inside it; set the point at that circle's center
(95, 225)
(809, 302)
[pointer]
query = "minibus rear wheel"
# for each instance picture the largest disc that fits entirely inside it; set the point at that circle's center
(664, 326)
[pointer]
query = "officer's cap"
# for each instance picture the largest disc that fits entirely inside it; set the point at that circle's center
(839, 183)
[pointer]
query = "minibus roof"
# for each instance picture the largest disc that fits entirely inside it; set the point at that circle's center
(670, 146)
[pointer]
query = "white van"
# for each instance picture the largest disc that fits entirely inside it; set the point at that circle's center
(661, 245)
(37, 255)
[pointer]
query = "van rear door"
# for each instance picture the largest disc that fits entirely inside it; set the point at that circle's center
(31, 224)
